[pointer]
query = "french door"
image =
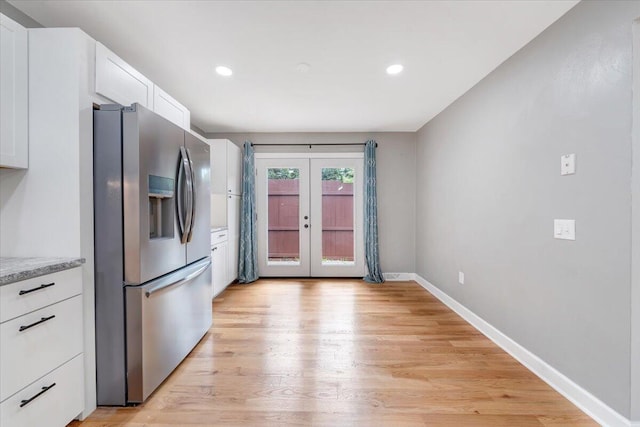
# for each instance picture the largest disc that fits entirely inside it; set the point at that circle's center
(310, 216)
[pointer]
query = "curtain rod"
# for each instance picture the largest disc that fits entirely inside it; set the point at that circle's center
(302, 145)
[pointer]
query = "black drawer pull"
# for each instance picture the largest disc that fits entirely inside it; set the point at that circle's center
(42, 320)
(44, 390)
(214, 249)
(43, 286)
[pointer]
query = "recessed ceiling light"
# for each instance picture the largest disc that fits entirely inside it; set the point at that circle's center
(394, 69)
(224, 71)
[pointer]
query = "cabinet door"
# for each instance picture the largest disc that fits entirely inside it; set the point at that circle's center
(170, 109)
(14, 95)
(59, 398)
(119, 81)
(218, 166)
(20, 297)
(55, 330)
(234, 169)
(233, 216)
(219, 263)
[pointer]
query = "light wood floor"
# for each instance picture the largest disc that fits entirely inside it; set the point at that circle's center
(344, 353)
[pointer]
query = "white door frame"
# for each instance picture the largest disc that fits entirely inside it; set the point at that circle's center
(310, 262)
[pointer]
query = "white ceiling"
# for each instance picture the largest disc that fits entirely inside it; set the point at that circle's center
(446, 47)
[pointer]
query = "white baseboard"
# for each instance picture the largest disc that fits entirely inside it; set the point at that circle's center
(398, 277)
(588, 403)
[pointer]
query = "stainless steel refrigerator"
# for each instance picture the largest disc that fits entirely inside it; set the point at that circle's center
(152, 250)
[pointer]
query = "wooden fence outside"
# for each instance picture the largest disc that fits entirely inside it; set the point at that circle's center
(337, 220)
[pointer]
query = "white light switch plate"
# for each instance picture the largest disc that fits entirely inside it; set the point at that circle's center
(564, 229)
(461, 277)
(568, 164)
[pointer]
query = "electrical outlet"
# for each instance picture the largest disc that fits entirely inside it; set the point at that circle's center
(564, 229)
(568, 164)
(461, 277)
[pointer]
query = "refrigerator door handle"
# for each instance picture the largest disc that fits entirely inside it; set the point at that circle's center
(193, 195)
(160, 286)
(180, 196)
(185, 200)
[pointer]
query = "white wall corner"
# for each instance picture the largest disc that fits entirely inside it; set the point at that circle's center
(585, 401)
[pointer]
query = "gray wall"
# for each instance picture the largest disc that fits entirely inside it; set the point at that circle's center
(17, 15)
(635, 239)
(396, 185)
(489, 187)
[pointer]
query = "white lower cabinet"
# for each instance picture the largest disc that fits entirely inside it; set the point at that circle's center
(41, 351)
(34, 344)
(219, 261)
(29, 295)
(53, 400)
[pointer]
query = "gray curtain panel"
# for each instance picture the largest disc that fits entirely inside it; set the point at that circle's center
(371, 254)
(248, 251)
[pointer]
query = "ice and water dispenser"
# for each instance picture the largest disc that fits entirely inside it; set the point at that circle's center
(161, 207)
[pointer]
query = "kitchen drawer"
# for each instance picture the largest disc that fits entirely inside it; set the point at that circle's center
(219, 237)
(65, 284)
(31, 353)
(53, 408)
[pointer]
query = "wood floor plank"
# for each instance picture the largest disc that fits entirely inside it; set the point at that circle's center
(335, 352)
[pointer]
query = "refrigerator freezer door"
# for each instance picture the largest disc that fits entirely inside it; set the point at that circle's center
(199, 245)
(165, 319)
(150, 157)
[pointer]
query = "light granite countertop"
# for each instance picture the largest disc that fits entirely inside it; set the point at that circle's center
(14, 269)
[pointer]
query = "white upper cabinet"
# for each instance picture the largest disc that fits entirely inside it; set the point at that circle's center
(226, 167)
(119, 81)
(14, 94)
(234, 171)
(123, 84)
(170, 109)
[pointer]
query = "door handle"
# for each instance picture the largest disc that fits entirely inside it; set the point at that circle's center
(180, 197)
(185, 199)
(43, 286)
(306, 217)
(152, 290)
(25, 402)
(306, 226)
(193, 195)
(42, 320)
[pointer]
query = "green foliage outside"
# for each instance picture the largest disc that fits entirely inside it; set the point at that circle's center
(283, 173)
(338, 174)
(345, 175)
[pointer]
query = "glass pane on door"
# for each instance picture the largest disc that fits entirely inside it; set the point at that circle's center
(283, 193)
(338, 240)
